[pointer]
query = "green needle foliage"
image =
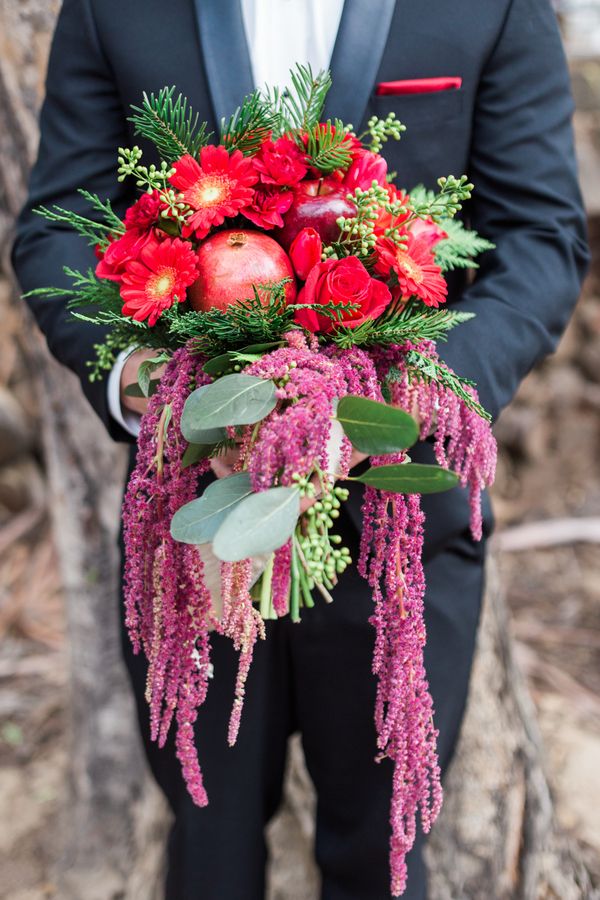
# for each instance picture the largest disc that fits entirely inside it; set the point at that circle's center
(420, 367)
(300, 108)
(95, 231)
(170, 124)
(327, 147)
(413, 323)
(250, 125)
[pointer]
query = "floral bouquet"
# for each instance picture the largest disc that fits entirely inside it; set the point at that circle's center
(296, 297)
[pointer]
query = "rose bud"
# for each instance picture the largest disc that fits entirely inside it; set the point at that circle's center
(305, 252)
(365, 170)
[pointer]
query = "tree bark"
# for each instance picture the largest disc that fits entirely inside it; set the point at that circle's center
(497, 835)
(113, 813)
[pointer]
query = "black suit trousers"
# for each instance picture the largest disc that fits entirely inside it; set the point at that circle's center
(313, 677)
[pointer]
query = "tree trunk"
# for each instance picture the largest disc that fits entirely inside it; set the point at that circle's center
(113, 812)
(496, 836)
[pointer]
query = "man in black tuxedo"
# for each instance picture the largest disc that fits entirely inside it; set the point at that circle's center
(507, 127)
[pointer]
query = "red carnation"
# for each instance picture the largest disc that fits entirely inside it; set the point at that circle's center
(430, 230)
(120, 252)
(144, 212)
(305, 251)
(267, 207)
(158, 279)
(280, 162)
(341, 281)
(366, 169)
(415, 267)
(218, 186)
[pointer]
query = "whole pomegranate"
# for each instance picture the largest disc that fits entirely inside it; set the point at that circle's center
(232, 262)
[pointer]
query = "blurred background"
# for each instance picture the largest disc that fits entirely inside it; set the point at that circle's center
(547, 548)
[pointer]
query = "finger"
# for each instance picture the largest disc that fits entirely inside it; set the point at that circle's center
(220, 468)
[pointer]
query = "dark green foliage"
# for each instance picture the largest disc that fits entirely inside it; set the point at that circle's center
(170, 124)
(420, 367)
(250, 125)
(412, 322)
(327, 147)
(300, 108)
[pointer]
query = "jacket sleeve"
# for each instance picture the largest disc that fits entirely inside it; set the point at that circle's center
(81, 126)
(526, 201)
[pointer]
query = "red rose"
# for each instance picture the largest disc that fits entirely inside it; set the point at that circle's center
(369, 167)
(280, 162)
(267, 207)
(341, 281)
(144, 212)
(305, 251)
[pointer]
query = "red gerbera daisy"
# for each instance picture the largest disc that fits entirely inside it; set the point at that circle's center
(415, 267)
(218, 186)
(158, 279)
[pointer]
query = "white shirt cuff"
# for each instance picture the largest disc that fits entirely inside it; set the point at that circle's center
(126, 418)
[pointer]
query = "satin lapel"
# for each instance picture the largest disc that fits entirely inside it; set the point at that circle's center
(225, 54)
(358, 49)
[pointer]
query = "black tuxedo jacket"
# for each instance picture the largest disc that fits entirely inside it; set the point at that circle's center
(508, 128)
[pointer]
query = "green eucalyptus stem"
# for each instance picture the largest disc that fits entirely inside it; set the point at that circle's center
(295, 587)
(307, 596)
(266, 606)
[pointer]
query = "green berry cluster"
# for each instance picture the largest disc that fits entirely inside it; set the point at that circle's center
(382, 129)
(322, 556)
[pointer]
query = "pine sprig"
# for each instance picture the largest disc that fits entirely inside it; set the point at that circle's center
(420, 367)
(95, 232)
(410, 324)
(261, 318)
(250, 125)
(300, 108)
(459, 249)
(171, 124)
(328, 148)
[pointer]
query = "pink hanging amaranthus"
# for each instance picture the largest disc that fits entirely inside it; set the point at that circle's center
(168, 604)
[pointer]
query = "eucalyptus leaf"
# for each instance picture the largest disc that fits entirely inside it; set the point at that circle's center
(376, 428)
(192, 426)
(232, 400)
(134, 390)
(145, 370)
(259, 524)
(409, 478)
(218, 365)
(198, 521)
(195, 452)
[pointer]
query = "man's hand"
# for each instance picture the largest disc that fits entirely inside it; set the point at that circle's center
(129, 375)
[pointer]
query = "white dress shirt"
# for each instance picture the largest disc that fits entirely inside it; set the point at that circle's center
(279, 34)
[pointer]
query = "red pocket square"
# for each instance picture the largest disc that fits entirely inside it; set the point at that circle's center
(418, 86)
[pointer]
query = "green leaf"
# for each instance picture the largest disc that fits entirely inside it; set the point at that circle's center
(134, 390)
(198, 521)
(259, 524)
(409, 478)
(191, 429)
(232, 400)
(219, 365)
(145, 370)
(196, 452)
(374, 427)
